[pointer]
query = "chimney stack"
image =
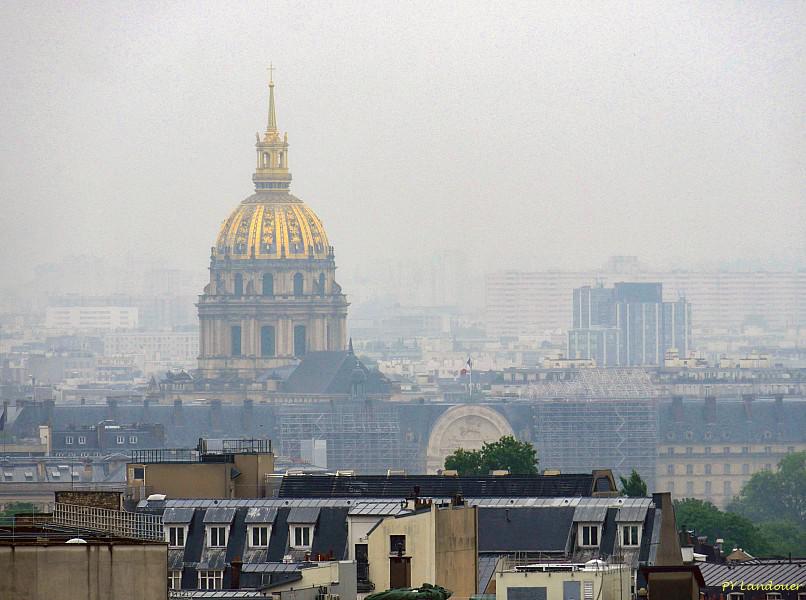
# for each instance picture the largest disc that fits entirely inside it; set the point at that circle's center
(235, 577)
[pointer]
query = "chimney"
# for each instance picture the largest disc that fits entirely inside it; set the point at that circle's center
(146, 410)
(47, 406)
(215, 415)
(247, 414)
(677, 408)
(235, 576)
(779, 408)
(112, 409)
(710, 409)
(178, 417)
(747, 400)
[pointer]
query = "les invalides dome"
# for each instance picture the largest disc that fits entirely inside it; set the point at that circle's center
(272, 295)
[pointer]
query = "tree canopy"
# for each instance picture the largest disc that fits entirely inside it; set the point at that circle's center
(706, 519)
(519, 458)
(778, 495)
(633, 486)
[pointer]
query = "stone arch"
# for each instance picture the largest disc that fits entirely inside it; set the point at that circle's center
(467, 426)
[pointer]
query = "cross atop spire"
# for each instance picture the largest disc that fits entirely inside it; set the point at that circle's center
(272, 126)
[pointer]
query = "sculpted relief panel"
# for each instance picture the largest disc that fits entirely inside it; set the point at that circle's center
(468, 427)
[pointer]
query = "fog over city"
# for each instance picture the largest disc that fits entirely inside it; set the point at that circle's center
(522, 135)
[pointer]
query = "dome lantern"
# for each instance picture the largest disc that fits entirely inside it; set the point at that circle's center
(271, 171)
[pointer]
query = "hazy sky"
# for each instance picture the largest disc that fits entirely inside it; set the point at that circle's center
(529, 135)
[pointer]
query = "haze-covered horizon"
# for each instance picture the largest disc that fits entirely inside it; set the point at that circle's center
(523, 136)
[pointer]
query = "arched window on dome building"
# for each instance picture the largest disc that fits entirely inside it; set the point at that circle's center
(267, 341)
(299, 340)
(321, 287)
(266, 162)
(238, 284)
(298, 284)
(268, 284)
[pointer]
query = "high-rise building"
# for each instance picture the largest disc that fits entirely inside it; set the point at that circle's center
(628, 325)
(529, 303)
(272, 295)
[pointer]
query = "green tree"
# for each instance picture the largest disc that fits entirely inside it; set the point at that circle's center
(519, 458)
(776, 495)
(784, 538)
(13, 508)
(465, 462)
(706, 519)
(633, 486)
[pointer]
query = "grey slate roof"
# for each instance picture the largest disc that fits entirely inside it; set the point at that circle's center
(781, 572)
(261, 514)
(178, 515)
(631, 514)
(332, 373)
(219, 515)
(213, 559)
(590, 513)
(375, 508)
(525, 529)
(270, 567)
(303, 514)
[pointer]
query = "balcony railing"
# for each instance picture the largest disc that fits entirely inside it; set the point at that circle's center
(114, 522)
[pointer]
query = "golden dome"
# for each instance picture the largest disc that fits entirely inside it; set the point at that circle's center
(272, 225)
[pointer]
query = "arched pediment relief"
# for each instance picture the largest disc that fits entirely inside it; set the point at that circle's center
(467, 426)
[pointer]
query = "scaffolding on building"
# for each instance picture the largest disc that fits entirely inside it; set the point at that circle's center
(596, 383)
(364, 436)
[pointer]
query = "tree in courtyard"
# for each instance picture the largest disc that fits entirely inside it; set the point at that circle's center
(706, 519)
(778, 495)
(519, 458)
(633, 486)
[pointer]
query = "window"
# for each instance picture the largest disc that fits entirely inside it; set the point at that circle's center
(176, 536)
(321, 287)
(727, 488)
(726, 450)
(174, 580)
(590, 535)
(768, 467)
(268, 284)
(736, 596)
(689, 489)
(68, 439)
(132, 439)
(689, 469)
(217, 536)
(726, 469)
(707, 488)
(397, 544)
(139, 473)
(670, 450)
(211, 580)
(670, 469)
(238, 284)
(235, 340)
(82, 440)
(767, 449)
(708, 449)
(267, 341)
(689, 450)
(299, 340)
(745, 469)
(629, 535)
(301, 536)
(121, 439)
(774, 596)
(745, 449)
(708, 469)
(298, 284)
(259, 537)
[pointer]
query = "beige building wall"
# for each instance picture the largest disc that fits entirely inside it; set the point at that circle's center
(90, 571)
(715, 472)
(609, 584)
(441, 544)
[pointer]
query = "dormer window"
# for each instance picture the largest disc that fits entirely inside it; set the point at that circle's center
(630, 535)
(259, 536)
(68, 439)
(301, 536)
(589, 536)
(217, 536)
(175, 536)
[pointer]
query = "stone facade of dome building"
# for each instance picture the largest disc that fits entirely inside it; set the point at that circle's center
(272, 295)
